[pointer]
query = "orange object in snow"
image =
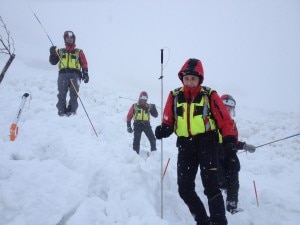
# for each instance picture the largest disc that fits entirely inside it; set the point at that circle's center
(13, 131)
(14, 127)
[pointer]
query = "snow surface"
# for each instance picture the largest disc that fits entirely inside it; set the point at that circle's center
(58, 172)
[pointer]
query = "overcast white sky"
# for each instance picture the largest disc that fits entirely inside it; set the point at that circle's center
(250, 49)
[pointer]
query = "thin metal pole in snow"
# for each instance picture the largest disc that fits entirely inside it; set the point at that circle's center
(42, 26)
(161, 141)
(278, 140)
(135, 100)
(165, 170)
(84, 107)
(128, 98)
(255, 193)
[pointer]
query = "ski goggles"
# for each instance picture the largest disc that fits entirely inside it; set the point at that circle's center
(143, 97)
(229, 102)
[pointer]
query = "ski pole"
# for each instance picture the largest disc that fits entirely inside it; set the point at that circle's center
(278, 140)
(161, 141)
(83, 107)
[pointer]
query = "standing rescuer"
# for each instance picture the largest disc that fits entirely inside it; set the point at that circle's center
(195, 113)
(229, 164)
(73, 68)
(140, 113)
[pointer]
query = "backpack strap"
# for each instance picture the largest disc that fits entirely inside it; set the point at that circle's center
(175, 93)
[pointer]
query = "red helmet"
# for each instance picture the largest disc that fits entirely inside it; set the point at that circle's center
(69, 34)
(192, 67)
(143, 98)
(230, 103)
(228, 100)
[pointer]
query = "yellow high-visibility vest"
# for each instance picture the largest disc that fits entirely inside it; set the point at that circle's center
(195, 117)
(69, 59)
(140, 114)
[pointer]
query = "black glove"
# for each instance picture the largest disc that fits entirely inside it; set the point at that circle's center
(85, 75)
(129, 129)
(53, 50)
(144, 106)
(163, 131)
(230, 144)
(249, 148)
(153, 110)
(85, 78)
(152, 106)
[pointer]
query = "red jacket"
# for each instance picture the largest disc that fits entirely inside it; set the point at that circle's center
(223, 120)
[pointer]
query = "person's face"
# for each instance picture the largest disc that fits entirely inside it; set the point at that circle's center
(191, 81)
(143, 99)
(69, 40)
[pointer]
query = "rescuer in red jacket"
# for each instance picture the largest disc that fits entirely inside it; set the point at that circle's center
(73, 68)
(195, 113)
(140, 113)
(229, 164)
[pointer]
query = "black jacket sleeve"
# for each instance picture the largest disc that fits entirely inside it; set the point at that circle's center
(153, 110)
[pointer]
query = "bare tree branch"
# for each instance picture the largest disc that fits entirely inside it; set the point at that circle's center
(6, 47)
(7, 43)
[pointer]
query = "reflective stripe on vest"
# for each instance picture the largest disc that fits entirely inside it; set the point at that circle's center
(194, 118)
(69, 59)
(140, 114)
(220, 137)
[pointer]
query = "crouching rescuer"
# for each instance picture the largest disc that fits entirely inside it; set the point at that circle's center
(195, 113)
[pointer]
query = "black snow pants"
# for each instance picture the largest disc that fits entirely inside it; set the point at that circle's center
(229, 167)
(64, 85)
(138, 128)
(200, 150)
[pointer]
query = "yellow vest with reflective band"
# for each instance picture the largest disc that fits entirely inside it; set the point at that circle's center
(195, 117)
(140, 114)
(69, 59)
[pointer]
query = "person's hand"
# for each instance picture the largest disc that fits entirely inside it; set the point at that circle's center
(85, 77)
(129, 129)
(144, 105)
(249, 148)
(151, 106)
(163, 131)
(53, 49)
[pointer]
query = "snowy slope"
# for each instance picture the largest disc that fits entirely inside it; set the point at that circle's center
(58, 172)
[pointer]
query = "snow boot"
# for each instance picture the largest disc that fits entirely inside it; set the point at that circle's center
(69, 111)
(231, 206)
(62, 113)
